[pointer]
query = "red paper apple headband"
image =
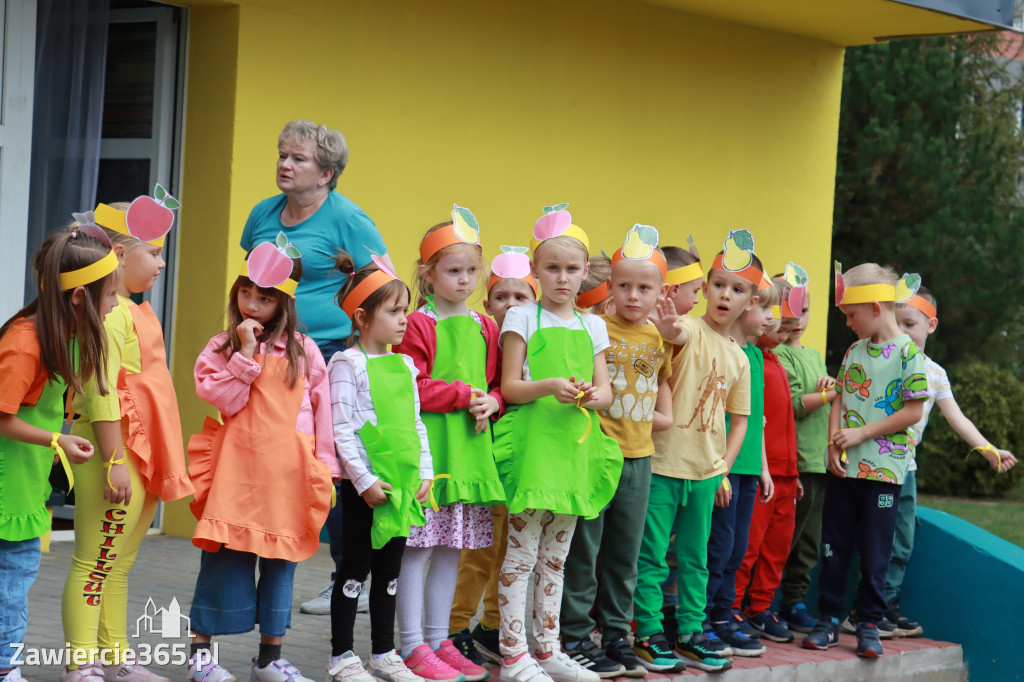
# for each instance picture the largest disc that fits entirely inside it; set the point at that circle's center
(463, 230)
(642, 244)
(511, 263)
(371, 283)
(795, 292)
(924, 305)
(902, 292)
(556, 222)
(686, 273)
(148, 219)
(737, 257)
(270, 265)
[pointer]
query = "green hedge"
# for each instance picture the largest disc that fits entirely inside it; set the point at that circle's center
(993, 399)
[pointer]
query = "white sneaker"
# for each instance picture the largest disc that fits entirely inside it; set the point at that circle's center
(320, 605)
(277, 671)
(349, 669)
(207, 672)
(525, 669)
(391, 668)
(131, 671)
(13, 676)
(561, 668)
(91, 672)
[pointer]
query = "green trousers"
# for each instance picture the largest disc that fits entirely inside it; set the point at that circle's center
(804, 553)
(615, 535)
(686, 507)
(903, 541)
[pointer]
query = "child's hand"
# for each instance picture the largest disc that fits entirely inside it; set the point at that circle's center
(119, 488)
(723, 495)
(825, 383)
(835, 461)
(767, 486)
(482, 405)
(666, 319)
(374, 495)
(799, 490)
(565, 391)
(423, 494)
(77, 449)
(589, 390)
(247, 332)
(848, 438)
(1003, 463)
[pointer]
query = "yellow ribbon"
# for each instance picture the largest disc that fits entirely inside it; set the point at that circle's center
(824, 397)
(579, 396)
(63, 459)
(842, 459)
(111, 462)
(725, 484)
(430, 492)
(334, 496)
(988, 447)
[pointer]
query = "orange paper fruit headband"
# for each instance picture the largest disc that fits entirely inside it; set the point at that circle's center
(903, 292)
(463, 230)
(370, 284)
(594, 296)
(270, 265)
(795, 292)
(737, 257)
(148, 219)
(924, 305)
(556, 222)
(511, 263)
(686, 273)
(642, 244)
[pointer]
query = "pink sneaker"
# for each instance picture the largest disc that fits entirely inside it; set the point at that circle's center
(454, 658)
(425, 663)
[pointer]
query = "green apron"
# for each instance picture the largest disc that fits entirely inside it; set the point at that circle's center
(458, 450)
(393, 446)
(536, 445)
(25, 470)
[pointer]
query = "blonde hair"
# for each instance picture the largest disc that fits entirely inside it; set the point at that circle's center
(329, 147)
(425, 288)
(769, 296)
(869, 273)
(568, 242)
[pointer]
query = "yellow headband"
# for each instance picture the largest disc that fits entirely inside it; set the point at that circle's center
(571, 231)
(777, 312)
(684, 274)
(867, 293)
(90, 273)
(113, 219)
(288, 286)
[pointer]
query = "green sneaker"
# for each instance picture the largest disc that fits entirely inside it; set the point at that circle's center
(695, 652)
(656, 654)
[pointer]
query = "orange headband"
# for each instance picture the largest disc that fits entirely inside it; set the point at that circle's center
(749, 273)
(655, 259)
(364, 289)
(595, 295)
(922, 304)
(528, 278)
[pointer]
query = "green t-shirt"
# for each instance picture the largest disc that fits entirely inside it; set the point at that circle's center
(804, 366)
(749, 459)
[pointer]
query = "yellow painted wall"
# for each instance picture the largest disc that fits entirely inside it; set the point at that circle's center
(630, 112)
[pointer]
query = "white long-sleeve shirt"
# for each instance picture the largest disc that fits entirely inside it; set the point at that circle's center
(351, 407)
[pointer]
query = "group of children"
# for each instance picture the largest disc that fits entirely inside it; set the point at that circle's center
(588, 454)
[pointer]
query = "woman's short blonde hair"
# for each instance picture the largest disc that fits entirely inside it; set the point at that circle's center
(329, 146)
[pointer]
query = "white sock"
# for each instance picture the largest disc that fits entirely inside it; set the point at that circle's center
(334, 661)
(377, 657)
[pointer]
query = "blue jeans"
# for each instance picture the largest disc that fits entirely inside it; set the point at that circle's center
(730, 532)
(229, 599)
(19, 564)
(333, 523)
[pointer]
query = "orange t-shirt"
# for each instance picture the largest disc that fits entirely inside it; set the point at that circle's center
(22, 376)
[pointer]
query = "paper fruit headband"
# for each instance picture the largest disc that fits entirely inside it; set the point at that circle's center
(511, 263)
(463, 230)
(270, 265)
(794, 293)
(686, 273)
(371, 283)
(96, 270)
(556, 222)
(924, 305)
(737, 257)
(903, 291)
(642, 244)
(595, 295)
(148, 219)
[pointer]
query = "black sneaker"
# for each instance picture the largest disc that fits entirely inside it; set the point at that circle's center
(904, 626)
(886, 628)
(696, 653)
(463, 641)
(591, 657)
(740, 644)
(824, 635)
(745, 626)
(770, 627)
(868, 644)
(621, 652)
(719, 646)
(656, 654)
(486, 641)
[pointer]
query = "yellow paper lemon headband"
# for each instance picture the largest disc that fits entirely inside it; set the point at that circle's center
(902, 292)
(370, 284)
(556, 222)
(642, 245)
(737, 257)
(463, 230)
(270, 265)
(148, 219)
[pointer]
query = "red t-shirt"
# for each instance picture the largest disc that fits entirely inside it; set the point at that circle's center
(780, 427)
(22, 376)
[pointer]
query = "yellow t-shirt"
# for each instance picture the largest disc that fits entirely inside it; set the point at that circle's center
(710, 376)
(636, 363)
(122, 351)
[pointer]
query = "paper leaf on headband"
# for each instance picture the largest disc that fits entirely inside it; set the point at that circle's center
(692, 246)
(555, 208)
(552, 223)
(281, 240)
(907, 287)
(739, 250)
(379, 262)
(795, 275)
(150, 218)
(512, 262)
(640, 242)
(466, 227)
(86, 218)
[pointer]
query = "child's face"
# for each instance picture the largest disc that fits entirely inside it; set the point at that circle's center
(915, 324)
(728, 297)
(685, 296)
(636, 285)
(142, 264)
(507, 293)
(256, 306)
(387, 328)
(109, 301)
(559, 269)
(454, 276)
(756, 321)
(770, 340)
(863, 318)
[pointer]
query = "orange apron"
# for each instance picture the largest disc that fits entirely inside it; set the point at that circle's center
(150, 424)
(258, 484)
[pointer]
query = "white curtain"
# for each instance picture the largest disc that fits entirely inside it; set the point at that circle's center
(67, 119)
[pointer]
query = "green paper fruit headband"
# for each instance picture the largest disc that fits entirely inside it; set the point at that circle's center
(270, 265)
(902, 292)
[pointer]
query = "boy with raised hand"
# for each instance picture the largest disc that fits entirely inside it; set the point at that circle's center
(639, 374)
(882, 387)
(710, 376)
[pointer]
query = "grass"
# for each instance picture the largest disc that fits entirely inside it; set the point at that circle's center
(999, 517)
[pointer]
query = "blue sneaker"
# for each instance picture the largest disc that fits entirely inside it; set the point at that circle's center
(744, 625)
(714, 643)
(770, 627)
(740, 644)
(824, 635)
(798, 617)
(868, 644)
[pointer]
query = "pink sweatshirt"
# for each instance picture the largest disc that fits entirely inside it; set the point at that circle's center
(224, 383)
